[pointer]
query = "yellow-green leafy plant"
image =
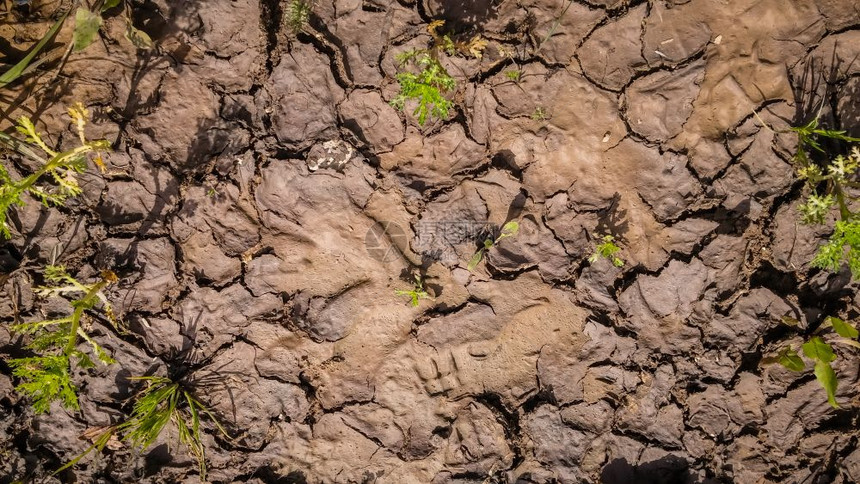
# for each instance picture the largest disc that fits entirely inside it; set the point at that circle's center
(510, 229)
(539, 114)
(46, 376)
(297, 14)
(416, 293)
(827, 181)
(819, 351)
(60, 167)
(606, 249)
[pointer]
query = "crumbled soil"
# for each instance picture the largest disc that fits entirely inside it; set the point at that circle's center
(263, 203)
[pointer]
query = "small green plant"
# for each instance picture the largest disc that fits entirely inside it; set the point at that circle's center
(826, 180)
(510, 229)
(539, 114)
(416, 293)
(426, 87)
(297, 14)
(514, 74)
(432, 80)
(46, 377)
(161, 401)
(61, 167)
(607, 250)
(820, 353)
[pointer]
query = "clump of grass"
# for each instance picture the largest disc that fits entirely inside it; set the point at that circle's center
(60, 167)
(46, 377)
(162, 401)
(416, 293)
(606, 249)
(510, 229)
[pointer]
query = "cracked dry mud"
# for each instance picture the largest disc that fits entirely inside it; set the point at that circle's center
(251, 164)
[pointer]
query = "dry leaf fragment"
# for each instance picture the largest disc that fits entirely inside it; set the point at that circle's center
(477, 46)
(93, 434)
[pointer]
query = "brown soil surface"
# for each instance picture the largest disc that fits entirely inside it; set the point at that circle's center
(263, 203)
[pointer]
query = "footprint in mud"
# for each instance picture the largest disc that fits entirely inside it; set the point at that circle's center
(439, 373)
(455, 371)
(503, 360)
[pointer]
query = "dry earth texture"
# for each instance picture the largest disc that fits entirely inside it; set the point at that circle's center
(264, 202)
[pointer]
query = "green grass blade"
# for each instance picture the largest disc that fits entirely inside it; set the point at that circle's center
(20, 147)
(16, 70)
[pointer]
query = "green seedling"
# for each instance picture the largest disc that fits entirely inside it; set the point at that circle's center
(510, 229)
(46, 377)
(606, 249)
(820, 353)
(60, 167)
(297, 14)
(161, 402)
(428, 81)
(427, 86)
(826, 184)
(514, 74)
(432, 80)
(539, 114)
(416, 293)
